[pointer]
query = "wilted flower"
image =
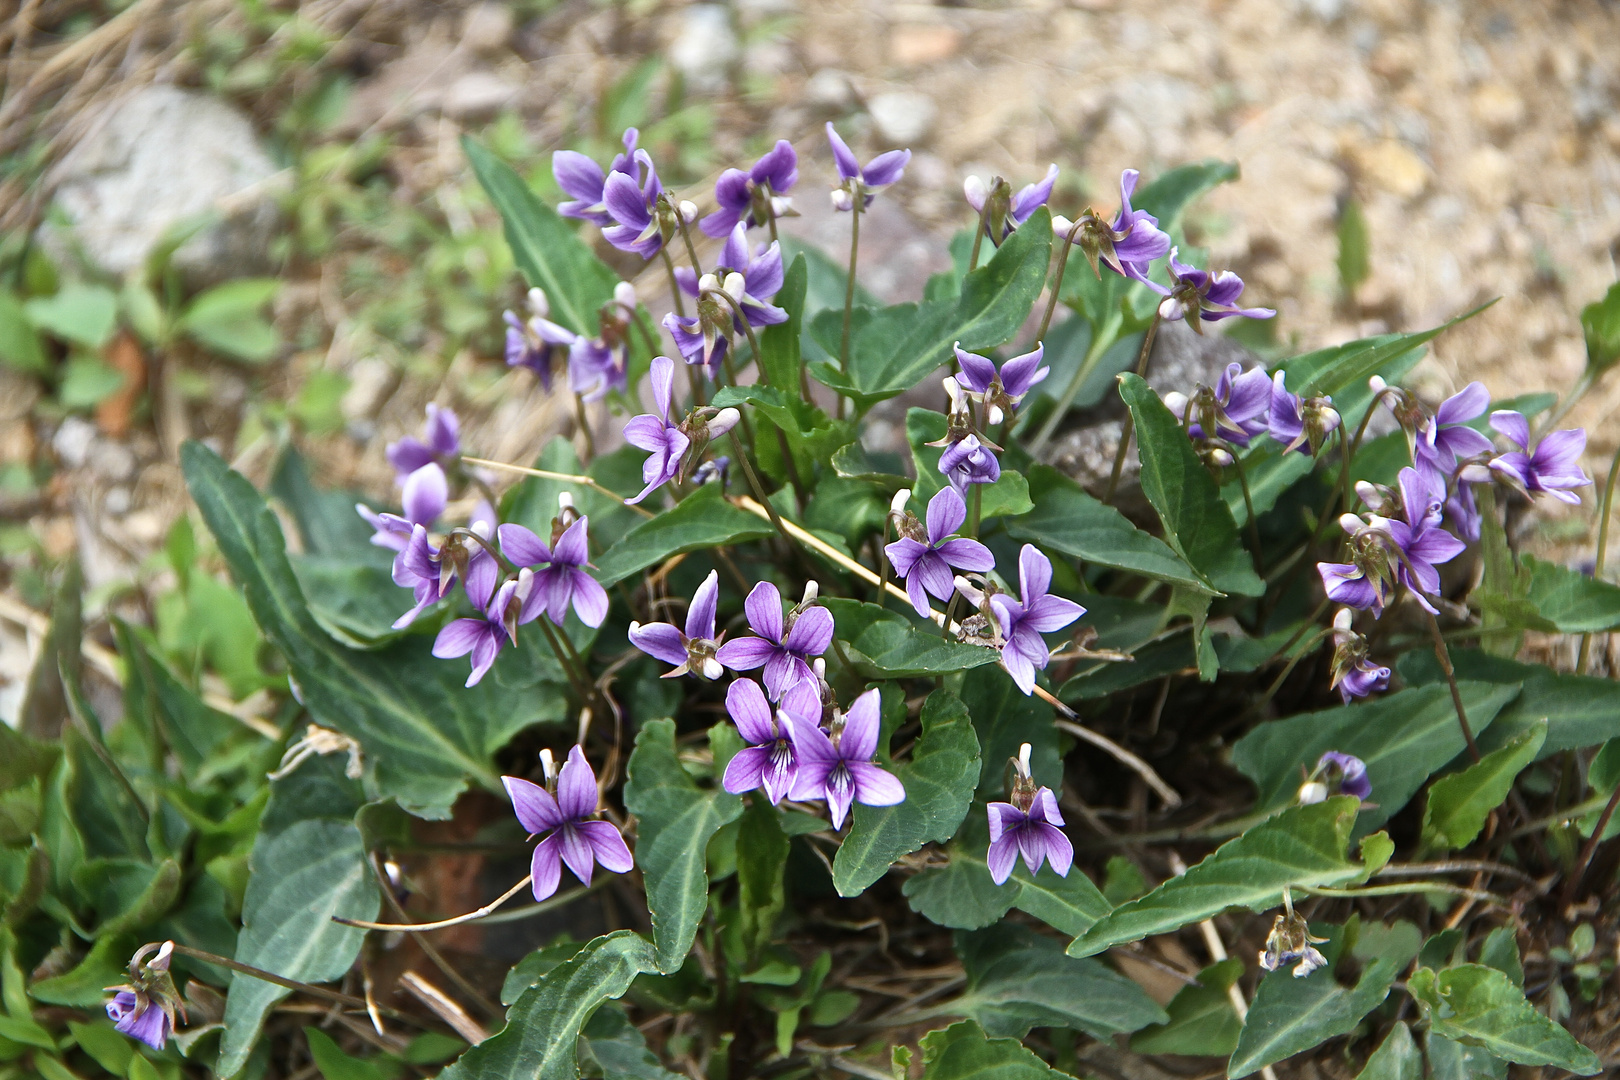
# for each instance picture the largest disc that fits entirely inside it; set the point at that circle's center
(756, 196)
(1353, 674)
(924, 556)
(1300, 425)
(969, 461)
(783, 647)
(1001, 390)
(1553, 469)
(584, 179)
(1200, 296)
(692, 650)
(1290, 940)
(839, 767)
(568, 812)
(1128, 245)
(1007, 211)
(1023, 622)
(859, 186)
(770, 760)
(144, 1008)
(440, 442)
(1336, 774)
(1029, 825)
(559, 575)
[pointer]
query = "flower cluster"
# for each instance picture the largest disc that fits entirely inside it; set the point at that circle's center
(594, 365)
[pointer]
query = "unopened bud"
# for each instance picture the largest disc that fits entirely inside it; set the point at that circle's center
(624, 294)
(735, 286)
(953, 390)
(1369, 494)
(841, 200)
(1312, 792)
(1475, 472)
(812, 589)
(1061, 225)
(1377, 384)
(689, 211)
(538, 304)
(975, 190)
(723, 421)
(819, 666)
(1220, 457)
(969, 593)
(1023, 759)
(897, 505)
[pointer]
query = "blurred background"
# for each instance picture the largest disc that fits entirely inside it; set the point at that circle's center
(251, 222)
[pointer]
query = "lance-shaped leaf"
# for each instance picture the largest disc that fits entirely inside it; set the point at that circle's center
(422, 731)
(543, 1026)
(1458, 804)
(1017, 980)
(1479, 1006)
(939, 781)
(1068, 520)
(1397, 1058)
(1403, 737)
(963, 1052)
(302, 877)
(779, 358)
(676, 819)
(1202, 1020)
(701, 520)
(1302, 846)
(1007, 497)
(190, 728)
(762, 853)
(884, 644)
(1331, 370)
(1196, 521)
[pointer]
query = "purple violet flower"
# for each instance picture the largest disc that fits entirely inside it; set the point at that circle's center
(1354, 675)
(924, 557)
(761, 278)
(576, 837)
(440, 442)
(840, 768)
(770, 760)
(756, 196)
(559, 575)
(1023, 622)
(1008, 211)
(1336, 774)
(424, 498)
(1553, 469)
(1236, 410)
(486, 634)
(783, 648)
(150, 1025)
(634, 209)
(1001, 390)
(692, 650)
(968, 461)
(1300, 425)
(584, 179)
(1388, 551)
(1128, 245)
(1200, 296)
(417, 567)
(1446, 437)
(1290, 940)
(538, 343)
(862, 185)
(664, 441)
(1029, 825)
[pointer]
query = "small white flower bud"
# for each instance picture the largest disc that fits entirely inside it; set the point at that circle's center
(1176, 402)
(538, 304)
(689, 211)
(1330, 418)
(812, 589)
(1312, 792)
(1377, 384)
(525, 584)
(841, 201)
(975, 190)
(565, 500)
(1169, 308)
(722, 422)
(707, 282)
(712, 669)
(993, 415)
(897, 505)
(1220, 457)
(395, 872)
(735, 286)
(1061, 226)
(624, 294)
(1023, 759)
(547, 764)
(1350, 523)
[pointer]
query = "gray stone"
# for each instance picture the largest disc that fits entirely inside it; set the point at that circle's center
(486, 27)
(705, 47)
(73, 440)
(829, 89)
(902, 117)
(478, 95)
(158, 158)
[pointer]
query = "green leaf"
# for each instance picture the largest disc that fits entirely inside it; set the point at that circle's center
(84, 986)
(20, 348)
(191, 729)
(895, 347)
(1600, 323)
(302, 877)
(812, 437)
(550, 254)
(334, 1064)
(228, 318)
(618, 1049)
(1479, 1006)
(1066, 519)
(87, 382)
(963, 1052)
(1018, 979)
(1197, 523)
(1007, 497)
(422, 732)
(779, 359)
(1003, 719)
(1353, 262)
(1566, 600)
(1396, 1058)
(884, 644)
(1332, 370)
(80, 314)
(1403, 737)
(1451, 1060)
(108, 1047)
(1202, 1020)
(939, 782)
(762, 852)
(676, 819)
(1459, 803)
(1501, 951)
(1302, 846)
(1580, 710)
(543, 1025)
(704, 519)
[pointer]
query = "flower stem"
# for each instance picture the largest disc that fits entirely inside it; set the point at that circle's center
(1057, 281)
(883, 562)
(973, 513)
(1276, 684)
(570, 661)
(674, 284)
(1589, 849)
(691, 252)
(754, 484)
(584, 427)
(1105, 337)
(1605, 508)
(570, 478)
(290, 984)
(422, 928)
(1142, 357)
(1248, 507)
(1443, 654)
(849, 297)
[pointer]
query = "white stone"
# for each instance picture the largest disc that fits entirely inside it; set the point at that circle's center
(486, 27)
(902, 117)
(158, 157)
(73, 440)
(705, 46)
(369, 382)
(829, 89)
(478, 95)
(111, 461)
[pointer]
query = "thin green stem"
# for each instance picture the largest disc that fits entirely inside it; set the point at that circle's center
(1057, 281)
(1129, 428)
(978, 237)
(1276, 684)
(1248, 509)
(674, 283)
(849, 296)
(1576, 392)
(584, 427)
(1402, 890)
(973, 510)
(1105, 337)
(1589, 849)
(569, 670)
(691, 252)
(883, 563)
(1605, 509)
(1443, 654)
(754, 485)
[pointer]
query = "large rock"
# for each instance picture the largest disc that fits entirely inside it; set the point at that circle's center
(156, 158)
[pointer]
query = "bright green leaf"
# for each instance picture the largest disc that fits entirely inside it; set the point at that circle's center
(80, 314)
(963, 1052)
(884, 644)
(614, 1044)
(1479, 1006)
(1202, 1020)
(87, 382)
(1396, 1058)
(1501, 951)
(704, 519)
(1004, 719)
(20, 348)
(228, 319)
(1459, 803)
(1600, 322)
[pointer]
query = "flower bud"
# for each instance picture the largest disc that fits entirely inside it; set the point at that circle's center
(993, 414)
(525, 585)
(565, 500)
(1023, 759)
(975, 190)
(841, 200)
(1061, 226)
(723, 421)
(1313, 791)
(969, 593)
(1369, 494)
(1377, 384)
(689, 211)
(897, 505)
(819, 666)
(812, 589)
(1220, 457)
(953, 390)
(538, 304)
(624, 294)
(712, 669)
(735, 286)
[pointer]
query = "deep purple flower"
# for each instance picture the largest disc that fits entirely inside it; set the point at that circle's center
(756, 196)
(424, 498)
(484, 635)
(858, 183)
(634, 210)
(576, 837)
(968, 461)
(761, 278)
(692, 650)
(1386, 551)
(1300, 425)
(150, 1025)
(924, 557)
(770, 760)
(1200, 296)
(559, 575)
(840, 768)
(783, 648)
(664, 441)
(1336, 774)
(440, 441)
(1354, 675)
(1446, 437)
(1022, 623)
(1001, 390)
(417, 567)
(1128, 245)
(1033, 833)
(1008, 211)
(1554, 469)
(584, 179)
(1237, 409)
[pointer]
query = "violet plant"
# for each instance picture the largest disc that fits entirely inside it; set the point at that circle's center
(986, 743)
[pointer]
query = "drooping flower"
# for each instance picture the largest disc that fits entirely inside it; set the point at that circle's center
(491, 630)
(418, 568)
(1001, 390)
(839, 767)
(783, 647)
(643, 218)
(151, 1025)
(424, 497)
(537, 343)
(761, 274)
(144, 1008)
(756, 196)
(1029, 825)
(1336, 774)
(1553, 469)
(440, 442)
(924, 555)
(669, 444)
(693, 649)
(1128, 245)
(1353, 674)
(568, 813)
(1023, 621)
(969, 461)
(1236, 409)
(770, 760)
(857, 185)
(1007, 211)
(1302, 425)
(584, 179)
(1386, 551)
(1291, 940)
(1200, 296)
(560, 579)
(1444, 438)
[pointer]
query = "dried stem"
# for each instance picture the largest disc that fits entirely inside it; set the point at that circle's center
(1589, 849)
(429, 949)
(1443, 654)
(1130, 419)
(569, 478)
(292, 984)
(422, 928)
